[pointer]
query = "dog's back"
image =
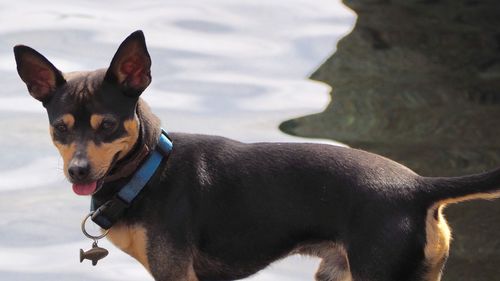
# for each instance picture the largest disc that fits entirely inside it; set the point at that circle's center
(263, 201)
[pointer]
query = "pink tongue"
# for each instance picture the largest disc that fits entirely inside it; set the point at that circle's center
(84, 189)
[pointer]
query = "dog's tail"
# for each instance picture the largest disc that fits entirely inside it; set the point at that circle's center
(457, 189)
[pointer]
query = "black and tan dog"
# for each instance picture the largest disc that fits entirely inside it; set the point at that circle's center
(218, 209)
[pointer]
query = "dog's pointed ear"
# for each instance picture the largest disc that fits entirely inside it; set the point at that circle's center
(131, 65)
(39, 74)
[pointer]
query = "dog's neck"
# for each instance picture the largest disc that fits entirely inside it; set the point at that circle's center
(150, 130)
(149, 123)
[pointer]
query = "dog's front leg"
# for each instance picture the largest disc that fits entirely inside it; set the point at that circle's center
(174, 273)
(158, 255)
(174, 270)
(168, 264)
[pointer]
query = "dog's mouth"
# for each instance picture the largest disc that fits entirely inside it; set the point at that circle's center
(85, 189)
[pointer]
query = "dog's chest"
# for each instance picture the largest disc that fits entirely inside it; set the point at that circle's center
(132, 239)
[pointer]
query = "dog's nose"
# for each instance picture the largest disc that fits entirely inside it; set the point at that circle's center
(79, 169)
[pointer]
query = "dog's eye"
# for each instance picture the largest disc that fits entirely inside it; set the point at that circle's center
(108, 125)
(61, 128)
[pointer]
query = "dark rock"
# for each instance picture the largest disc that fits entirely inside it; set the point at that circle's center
(419, 82)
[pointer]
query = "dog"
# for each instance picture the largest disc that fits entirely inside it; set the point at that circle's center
(218, 209)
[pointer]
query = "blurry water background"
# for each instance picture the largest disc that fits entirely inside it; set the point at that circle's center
(235, 68)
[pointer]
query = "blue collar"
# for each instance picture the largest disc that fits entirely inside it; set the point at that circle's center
(108, 213)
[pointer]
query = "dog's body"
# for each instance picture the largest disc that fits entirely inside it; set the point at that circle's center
(218, 209)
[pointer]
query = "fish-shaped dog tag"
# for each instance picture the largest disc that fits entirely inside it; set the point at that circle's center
(95, 254)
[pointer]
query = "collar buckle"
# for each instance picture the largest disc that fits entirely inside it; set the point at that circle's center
(108, 213)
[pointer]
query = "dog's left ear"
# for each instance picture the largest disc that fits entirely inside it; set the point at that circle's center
(131, 65)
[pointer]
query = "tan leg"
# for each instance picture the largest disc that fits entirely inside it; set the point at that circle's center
(164, 262)
(434, 271)
(132, 239)
(438, 236)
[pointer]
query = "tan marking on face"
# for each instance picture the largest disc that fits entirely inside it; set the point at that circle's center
(66, 150)
(132, 128)
(133, 240)
(101, 156)
(96, 120)
(69, 120)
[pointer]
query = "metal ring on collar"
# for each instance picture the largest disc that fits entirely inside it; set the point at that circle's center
(90, 235)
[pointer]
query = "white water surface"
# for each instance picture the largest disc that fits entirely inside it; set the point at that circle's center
(235, 68)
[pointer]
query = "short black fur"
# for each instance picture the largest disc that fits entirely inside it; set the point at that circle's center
(219, 209)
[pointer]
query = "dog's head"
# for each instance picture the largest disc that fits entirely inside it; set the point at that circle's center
(92, 115)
